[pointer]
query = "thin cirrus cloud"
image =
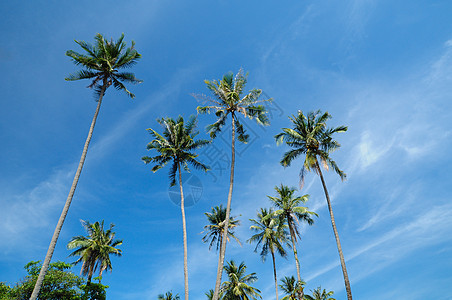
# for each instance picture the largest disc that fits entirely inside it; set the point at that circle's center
(425, 230)
(27, 212)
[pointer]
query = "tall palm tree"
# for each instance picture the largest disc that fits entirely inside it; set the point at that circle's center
(95, 249)
(310, 138)
(291, 287)
(270, 236)
(238, 287)
(288, 209)
(229, 101)
(168, 296)
(101, 64)
(176, 145)
(214, 231)
(318, 294)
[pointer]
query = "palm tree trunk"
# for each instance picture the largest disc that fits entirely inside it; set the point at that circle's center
(336, 235)
(184, 228)
(274, 272)
(63, 215)
(226, 221)
(297, 263)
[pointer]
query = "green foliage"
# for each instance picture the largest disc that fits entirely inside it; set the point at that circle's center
(215, 229)
(319, 294)
(270, 234)
(94, 291)
(238, 286)
(95, 249)
(288, 209)
(310, 137)
(59, 284)
(175, 145)
(102, 62)
(5, 291)
(168, 296)
(291, 287)
(228, 100)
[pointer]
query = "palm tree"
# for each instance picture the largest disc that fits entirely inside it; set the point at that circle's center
(101, 64)
(291, 287)
(95, 249)
(288, 209)
(229, 101)
(271, 234)
(216, 227)
(318, 294)
(176, 145)
(238, 287)
(168, 296)
(210, 293)
(311, 138)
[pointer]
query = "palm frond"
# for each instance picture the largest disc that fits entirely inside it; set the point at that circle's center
(81, 74)
(310, 136)
(120, 86)
(104, 58)
(175, 144)
(128, 77)
(242, 136)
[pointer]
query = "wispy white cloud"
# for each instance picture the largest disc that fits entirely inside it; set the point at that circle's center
(26, 211)
(425, 230)
(300, 25)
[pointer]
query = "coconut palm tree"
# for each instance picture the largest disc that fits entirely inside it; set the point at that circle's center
(95, 249)
(318, 294)
(311, 139)
(291, 287)
(168, 296)
(288, 209)
(270, 236)
(238, 287)
(210, 293)
(229, 101)
(176, 145)
(101, 64)
(214, 231)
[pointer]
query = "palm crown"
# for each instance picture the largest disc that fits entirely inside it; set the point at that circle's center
(311, 137)
(102, 62)
(168, 296)
(176, 144)
(95, 249)
(238, 288)
(270, 234)
(216, 226)
(228, 93)
(291, 287)
(288, 208)
(319, 294)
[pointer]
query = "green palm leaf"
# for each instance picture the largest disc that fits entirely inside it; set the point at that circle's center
(95, 249)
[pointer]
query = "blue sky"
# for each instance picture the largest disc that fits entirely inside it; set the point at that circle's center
(383, 68)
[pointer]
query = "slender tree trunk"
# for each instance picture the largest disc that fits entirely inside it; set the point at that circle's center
(184, 228)
(274, 273)
(300, 293)
(63, 215)
(226, 221)
(336, 235)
